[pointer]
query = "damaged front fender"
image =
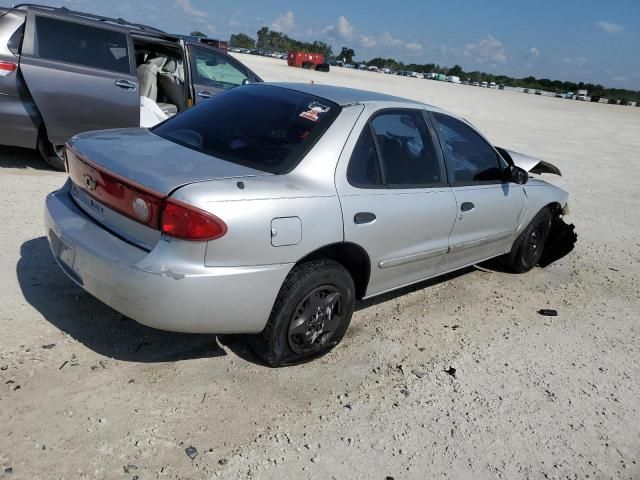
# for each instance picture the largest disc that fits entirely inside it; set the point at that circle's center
(530, 164)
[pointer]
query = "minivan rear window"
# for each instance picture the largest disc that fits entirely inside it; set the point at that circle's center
(15, 40)
(80, 44)
(264, 127)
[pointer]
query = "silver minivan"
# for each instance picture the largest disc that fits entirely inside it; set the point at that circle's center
(63, 72)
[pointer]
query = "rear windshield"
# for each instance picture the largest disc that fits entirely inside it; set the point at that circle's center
(259, 126)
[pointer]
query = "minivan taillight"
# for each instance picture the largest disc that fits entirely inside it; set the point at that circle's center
(190, 223)
(7, 67)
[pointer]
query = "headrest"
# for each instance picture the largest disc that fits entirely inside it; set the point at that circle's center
(171, 66)
(157, 61)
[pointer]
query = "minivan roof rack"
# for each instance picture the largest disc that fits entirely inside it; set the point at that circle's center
(91, 16)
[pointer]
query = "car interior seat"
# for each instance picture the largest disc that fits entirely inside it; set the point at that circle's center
(171, 85)
(148, 78)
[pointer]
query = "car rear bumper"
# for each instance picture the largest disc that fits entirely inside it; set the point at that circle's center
(168, 288)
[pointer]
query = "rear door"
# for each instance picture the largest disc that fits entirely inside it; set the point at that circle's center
(489, 209)
(213, 72)
(395, 199)
(81, 76)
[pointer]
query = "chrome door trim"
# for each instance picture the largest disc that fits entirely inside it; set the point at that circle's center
(476, 243)
(394, 262)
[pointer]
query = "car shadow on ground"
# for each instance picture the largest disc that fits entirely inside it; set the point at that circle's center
(14, 157)
(97, 326)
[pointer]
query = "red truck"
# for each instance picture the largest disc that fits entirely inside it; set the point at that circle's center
(304, 59)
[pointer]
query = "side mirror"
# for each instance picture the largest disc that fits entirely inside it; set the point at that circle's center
(517, 175)
(246, 81)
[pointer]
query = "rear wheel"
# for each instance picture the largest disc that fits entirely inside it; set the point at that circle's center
(310, 316)
(528, 249)
(48, 152)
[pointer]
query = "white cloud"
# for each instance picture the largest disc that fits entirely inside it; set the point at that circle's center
(341, 30)
(284, 23)
(620, 78)
(388, 40)
(486, 50)
(186, 6)
(533, 52)
(575, 60)
(367, 42)
(610, 27)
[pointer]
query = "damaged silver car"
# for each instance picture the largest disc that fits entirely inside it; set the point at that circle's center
(272, 208)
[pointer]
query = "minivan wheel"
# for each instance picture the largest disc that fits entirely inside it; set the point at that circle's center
(310, 316)
(48, 153)
(530, 245)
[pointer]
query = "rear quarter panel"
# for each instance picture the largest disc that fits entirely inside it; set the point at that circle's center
(308, 192)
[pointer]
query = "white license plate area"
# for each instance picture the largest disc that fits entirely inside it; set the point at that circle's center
(67, 255)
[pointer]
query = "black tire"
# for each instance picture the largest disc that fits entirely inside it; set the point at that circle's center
(48, 153)
(293, 335)
(528, 248)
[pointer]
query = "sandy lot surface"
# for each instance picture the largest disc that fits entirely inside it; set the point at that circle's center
(86, 393)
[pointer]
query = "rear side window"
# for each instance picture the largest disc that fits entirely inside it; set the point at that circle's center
(263, 127)
(80, 44)
(406, 147)
(363, 170)
(15, 41)
(470, 159)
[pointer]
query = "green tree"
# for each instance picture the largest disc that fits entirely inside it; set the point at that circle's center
(456, 71)
(346, 55)
(198, 33)
(241, 40)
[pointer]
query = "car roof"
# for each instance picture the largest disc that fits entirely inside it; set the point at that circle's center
(343, 95)
(92, 18)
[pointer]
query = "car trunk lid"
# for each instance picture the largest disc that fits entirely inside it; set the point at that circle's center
(121, 178)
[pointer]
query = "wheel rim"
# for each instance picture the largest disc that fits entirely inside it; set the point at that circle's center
(534, 243)
(315, 320)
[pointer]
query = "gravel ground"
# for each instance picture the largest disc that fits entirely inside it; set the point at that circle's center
(455, 378)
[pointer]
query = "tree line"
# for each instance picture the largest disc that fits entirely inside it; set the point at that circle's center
(270, 40)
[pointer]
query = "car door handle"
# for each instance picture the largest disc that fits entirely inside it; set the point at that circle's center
(204, 94)
(126, 84)
(467, 207)
(363, 217)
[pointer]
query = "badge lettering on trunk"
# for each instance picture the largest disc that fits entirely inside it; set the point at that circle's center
(89, 182)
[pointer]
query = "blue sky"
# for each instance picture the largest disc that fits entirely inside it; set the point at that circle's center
(576, 40)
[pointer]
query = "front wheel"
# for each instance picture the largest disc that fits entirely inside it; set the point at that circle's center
(528, 249)
(310, 315)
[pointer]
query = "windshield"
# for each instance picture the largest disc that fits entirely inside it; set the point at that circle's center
(260, 126)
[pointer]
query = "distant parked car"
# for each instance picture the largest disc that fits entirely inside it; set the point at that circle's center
(581, 97)
(569, 95)
(484, 84)
(558, 94)
(500, 87)
(270, 209)
(64, 72)
(538, 92)
(476, 84)
(323, 67)
(526, 90)
(492, 85)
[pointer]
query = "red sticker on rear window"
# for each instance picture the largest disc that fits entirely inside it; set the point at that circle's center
(315, 110)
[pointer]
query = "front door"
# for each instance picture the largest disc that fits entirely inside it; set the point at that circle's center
(395, 200)
(489, 209)
(213, 72)
(80, 76)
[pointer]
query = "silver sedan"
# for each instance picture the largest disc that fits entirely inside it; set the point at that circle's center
(271, 208)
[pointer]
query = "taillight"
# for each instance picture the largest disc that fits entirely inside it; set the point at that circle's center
(190, 223)
(7, 67)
